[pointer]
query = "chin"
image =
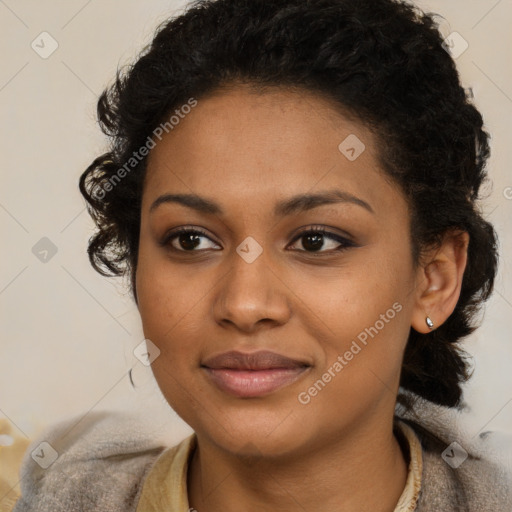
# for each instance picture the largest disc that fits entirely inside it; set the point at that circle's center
(256, 432)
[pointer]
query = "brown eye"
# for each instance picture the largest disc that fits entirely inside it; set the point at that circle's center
(320, 240)
(188, 240)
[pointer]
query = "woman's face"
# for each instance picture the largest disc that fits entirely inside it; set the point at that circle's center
(255, 174)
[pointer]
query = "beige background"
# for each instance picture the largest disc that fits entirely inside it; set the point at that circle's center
(67, 333)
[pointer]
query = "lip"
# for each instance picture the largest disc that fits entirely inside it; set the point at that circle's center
(249, 375)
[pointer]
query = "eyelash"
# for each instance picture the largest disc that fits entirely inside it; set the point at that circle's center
(344, 242)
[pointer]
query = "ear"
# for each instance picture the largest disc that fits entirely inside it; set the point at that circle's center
(439, 281)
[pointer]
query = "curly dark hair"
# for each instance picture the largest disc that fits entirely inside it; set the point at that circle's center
(381, 62)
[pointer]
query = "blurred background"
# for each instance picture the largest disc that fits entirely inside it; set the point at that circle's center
(68, 334)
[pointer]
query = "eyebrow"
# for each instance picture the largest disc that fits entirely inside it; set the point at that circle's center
(295, 204)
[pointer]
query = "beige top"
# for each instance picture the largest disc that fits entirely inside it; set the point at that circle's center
(165, 487)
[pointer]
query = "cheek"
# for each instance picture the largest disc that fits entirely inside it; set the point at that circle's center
(167, 296)
(343, 302)
(364, 317)
(168, 306)
(361, 366)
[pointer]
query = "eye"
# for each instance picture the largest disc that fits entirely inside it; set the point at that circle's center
(187, 239)
(316, 239)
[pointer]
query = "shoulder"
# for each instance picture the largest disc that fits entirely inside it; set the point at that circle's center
(460, 473)
(97, 462)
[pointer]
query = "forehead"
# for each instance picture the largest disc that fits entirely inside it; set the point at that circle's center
(242, 145)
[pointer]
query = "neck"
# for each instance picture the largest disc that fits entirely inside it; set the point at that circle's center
(363, 471)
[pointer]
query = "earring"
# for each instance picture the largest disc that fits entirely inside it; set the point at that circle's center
(429, 322)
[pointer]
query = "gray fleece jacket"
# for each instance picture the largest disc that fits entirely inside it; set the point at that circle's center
(103, 459)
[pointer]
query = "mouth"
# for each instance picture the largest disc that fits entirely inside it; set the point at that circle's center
(253, 375)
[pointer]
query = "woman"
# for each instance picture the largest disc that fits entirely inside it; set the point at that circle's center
(292, 189)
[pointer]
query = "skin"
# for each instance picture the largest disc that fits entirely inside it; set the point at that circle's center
(247, 151)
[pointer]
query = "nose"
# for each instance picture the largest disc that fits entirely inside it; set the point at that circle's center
(251, 296)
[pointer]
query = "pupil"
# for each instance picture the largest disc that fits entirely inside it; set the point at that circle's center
(189, 240)
(313, 242)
